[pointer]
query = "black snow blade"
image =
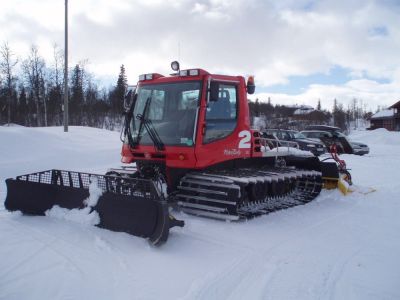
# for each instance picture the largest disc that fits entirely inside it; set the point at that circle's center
(130, 205)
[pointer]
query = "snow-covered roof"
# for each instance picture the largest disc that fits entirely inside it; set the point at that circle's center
(386, 113)
(303, 110)
(298, 106)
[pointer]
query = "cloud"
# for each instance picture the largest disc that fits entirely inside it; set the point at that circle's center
(274, 40)
(371, 93)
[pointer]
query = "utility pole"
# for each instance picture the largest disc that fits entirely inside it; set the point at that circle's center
(66, 70)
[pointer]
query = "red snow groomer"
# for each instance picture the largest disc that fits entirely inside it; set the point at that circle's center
(190, 138)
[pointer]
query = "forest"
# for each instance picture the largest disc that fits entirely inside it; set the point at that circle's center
(32, 94)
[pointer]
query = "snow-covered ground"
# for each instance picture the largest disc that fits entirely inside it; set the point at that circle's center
(333, 248)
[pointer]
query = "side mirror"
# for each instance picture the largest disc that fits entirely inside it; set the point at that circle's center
(128, 99)
(214, 91)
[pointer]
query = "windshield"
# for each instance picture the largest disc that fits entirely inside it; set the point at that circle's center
(171, 109)
(339, 134)
(298, 135)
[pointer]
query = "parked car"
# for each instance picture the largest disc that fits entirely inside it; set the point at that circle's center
(359, 148)
(292, 137)
(323, 128)
(270, 140)
(333, 135)
(328, 138)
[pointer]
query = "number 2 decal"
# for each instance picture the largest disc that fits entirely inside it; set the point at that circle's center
(245, 136)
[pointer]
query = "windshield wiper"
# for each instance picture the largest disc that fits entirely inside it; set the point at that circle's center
(140, 117)
(158, 144)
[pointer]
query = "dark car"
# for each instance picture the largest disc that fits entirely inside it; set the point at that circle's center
(294, 137)
(328, 138)
(334, 134)
(323, 128)
(271, 140)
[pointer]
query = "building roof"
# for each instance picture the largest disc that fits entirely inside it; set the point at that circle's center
(303, 110)
(386, 113)
(295, 106)
(396, 105)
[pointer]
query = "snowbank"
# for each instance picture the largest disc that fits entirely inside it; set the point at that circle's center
(379, 136)
(11, 125)
(25, 150)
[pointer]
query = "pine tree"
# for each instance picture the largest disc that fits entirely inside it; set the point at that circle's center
(76, 101)
(319, 105)
(55, 84)
(334, 111)
(32, 113)
(54, 96)
(118, 93)
(257, 108)
(339, 115)
(23, 112)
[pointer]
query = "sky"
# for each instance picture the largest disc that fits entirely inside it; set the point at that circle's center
(299, 51)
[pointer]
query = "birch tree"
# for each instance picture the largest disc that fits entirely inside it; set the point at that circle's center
(34, 71)
(7, 64)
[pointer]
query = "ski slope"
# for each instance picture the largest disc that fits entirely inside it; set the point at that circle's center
(333, 248)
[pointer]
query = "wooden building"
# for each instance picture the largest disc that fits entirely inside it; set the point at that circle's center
(388, 118)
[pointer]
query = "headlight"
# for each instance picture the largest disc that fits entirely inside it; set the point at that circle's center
(311, 145)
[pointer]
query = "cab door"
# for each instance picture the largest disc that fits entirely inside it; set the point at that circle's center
(224, 135)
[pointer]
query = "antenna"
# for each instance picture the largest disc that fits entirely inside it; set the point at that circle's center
(66, 70)
(179, 51)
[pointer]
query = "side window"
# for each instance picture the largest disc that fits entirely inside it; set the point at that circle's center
(221, 115)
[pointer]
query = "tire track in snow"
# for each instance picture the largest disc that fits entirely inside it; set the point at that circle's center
(46, 245)
(335, 274)
(254, 271)
(215, 284)
(79, 262)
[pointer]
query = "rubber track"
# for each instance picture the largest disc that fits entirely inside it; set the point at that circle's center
(246, 193)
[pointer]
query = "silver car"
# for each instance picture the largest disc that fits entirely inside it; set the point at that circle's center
(359, 148)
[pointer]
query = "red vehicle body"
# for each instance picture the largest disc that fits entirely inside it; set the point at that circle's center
(240, 144)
